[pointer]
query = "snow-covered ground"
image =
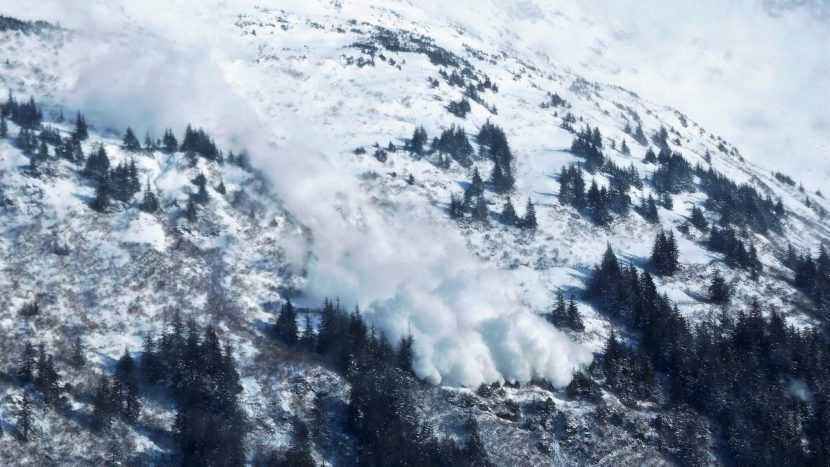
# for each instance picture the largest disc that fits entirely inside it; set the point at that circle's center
(297, 89)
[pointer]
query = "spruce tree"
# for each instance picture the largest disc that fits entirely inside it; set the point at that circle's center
(286, 326)
(26, 370)
(24, 418)
(4, 127)
(479, 210)
(456, 207)
(406, 353)
(718, 291)
(101, 202)
(77, 359)
(169, 142)
(697, 219)
(664, 254)
(150, 203)
(529, 220)
(130, 141)
(508, 214)
(418, 141)
(574, 319)
(81, 132)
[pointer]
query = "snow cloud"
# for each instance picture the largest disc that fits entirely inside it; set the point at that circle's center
(409, 275)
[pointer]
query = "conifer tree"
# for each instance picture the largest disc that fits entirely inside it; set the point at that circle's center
(24, 418)
(169, 142)
(529, 220)
(697, 219)
(664, 254)
(286, 326)
(221, 187)
(81, 132)
(508, 214)
(718, 289)
(574, 320)
(130, 141)
(418, 141)
(456, 207)
(150, 203)
(4, 127)
(479, 210)
(101, 202)
(624, 148)
(26, 370)
(406, 353)
(190, 212)
(77, 359)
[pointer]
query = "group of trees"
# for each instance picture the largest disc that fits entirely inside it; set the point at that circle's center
(509, 216)
(25, 114)
(738, 372)
(664, 254)
(117, 396)
(674, 174)
(453, 141)
(381, 412)
(565, 315)
(474, 203)
(726, 241)
(38, 369)
(812, 275)
(201, 376)
(598, 202)
(199, 142)
(493, 145)
(741, 205)
(588, 144)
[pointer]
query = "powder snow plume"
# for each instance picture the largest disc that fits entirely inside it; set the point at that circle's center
(410, 275)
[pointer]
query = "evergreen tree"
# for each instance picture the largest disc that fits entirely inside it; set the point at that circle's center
(130, 141)
(648, 209)
(479, 210)
(697, 219)
(529, 220)
(456, 207)
(597, 206)
(406, 353)
(103, 405)
(508, 214)
(81, 131)
(101, 202)
(26, 370)
(286, 326)
(559, 316)
(222, 190)
(190, 212)
(42, 152)
(418, 142)
(664, 254)
(624, 148)
(150, 203)
(97, 164)
(77, 359)
(24, 418)
(718, 289)
(201, 195)
(574, 319)
(4, 127)
(169, 142)
(126, 374)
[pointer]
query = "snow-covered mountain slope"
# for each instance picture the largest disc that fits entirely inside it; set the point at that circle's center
(325, 96)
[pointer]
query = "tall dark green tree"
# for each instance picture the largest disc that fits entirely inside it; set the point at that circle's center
(81, 131)
(286, 327)
(130, 141)
(664, 254)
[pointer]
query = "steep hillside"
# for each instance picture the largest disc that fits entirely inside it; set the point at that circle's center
(350, 139)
